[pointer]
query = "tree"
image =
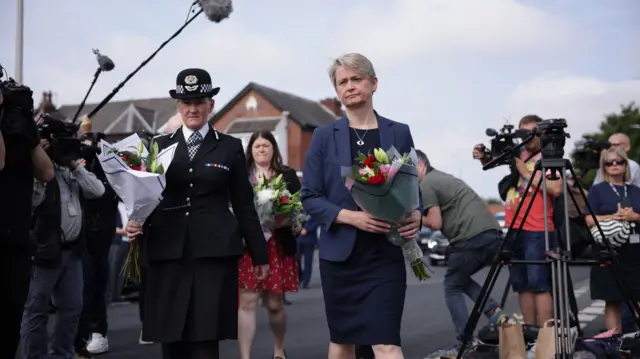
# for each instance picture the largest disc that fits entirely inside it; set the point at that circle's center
(492, 201)
(627, 122)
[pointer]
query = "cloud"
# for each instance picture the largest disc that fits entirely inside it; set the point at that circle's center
(582, 100)
(404, 30)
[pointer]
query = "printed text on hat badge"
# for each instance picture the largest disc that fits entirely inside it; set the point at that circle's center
(191, 80)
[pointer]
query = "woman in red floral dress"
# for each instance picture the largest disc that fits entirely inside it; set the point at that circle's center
(264, 159)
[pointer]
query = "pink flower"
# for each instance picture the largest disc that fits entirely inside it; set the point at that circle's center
(143, 167)
(384, 168)
(393, 172)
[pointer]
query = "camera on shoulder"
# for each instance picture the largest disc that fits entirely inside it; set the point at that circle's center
(16, 113)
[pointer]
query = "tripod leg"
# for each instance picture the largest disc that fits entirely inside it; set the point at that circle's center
(505, 295)
(478, 307)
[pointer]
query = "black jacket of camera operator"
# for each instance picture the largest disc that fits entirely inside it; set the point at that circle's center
(46, 229)
(101, 213)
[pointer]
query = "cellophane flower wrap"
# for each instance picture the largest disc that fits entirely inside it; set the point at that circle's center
(137, 176)
(276, 206)
(385, 185)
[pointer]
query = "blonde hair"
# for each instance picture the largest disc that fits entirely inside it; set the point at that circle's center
(623, 155)
(354, 61)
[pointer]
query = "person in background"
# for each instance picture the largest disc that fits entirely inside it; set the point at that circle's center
(616, 199)
(117, 257)
(452, 207)
(264, 160)
(532, 283)
(23, 160)
(307, 242)
(622, 141)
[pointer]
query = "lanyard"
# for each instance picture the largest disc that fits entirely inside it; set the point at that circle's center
(626, 195)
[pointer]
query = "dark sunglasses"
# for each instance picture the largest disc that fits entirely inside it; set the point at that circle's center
(615, 163)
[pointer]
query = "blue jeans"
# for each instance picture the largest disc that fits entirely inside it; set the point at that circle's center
(530, 277)
(466, 259)
(64, 283)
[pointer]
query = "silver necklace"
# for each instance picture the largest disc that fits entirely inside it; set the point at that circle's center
(360, 141)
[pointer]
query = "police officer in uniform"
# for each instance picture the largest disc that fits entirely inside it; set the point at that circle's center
(192, 242)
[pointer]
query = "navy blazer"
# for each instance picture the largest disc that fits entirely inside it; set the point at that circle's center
(323, 191)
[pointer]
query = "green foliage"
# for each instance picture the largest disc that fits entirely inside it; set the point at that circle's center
(622, 122)
(493, 201)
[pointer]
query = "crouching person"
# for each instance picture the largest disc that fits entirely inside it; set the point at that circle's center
(57, 271)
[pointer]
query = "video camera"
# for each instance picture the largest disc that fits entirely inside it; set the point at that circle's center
(16, 112)
(552, 137)
(587, 153)
(65, 145)
(503, 145)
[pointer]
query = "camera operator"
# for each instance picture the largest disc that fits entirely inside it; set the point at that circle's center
(101, 215)
(21, 159)
(60, 233)
(622, 141)
(531, 282)
(453, 208)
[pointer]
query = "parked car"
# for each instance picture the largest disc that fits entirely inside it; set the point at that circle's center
(437, 245)
(503, 224)
(423, 239)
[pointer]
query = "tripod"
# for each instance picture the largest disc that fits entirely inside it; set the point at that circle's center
(558, 259)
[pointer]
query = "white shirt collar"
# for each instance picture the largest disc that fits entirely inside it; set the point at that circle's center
(187, 132)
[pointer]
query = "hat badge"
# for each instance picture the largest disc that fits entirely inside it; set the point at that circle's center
(191, 83)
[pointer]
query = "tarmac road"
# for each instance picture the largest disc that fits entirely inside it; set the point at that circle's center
(426, 324)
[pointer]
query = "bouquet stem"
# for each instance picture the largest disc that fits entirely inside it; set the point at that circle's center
(131, 269)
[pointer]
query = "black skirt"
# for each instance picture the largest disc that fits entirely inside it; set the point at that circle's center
(191, 300)
(364, 295)
(603, 284)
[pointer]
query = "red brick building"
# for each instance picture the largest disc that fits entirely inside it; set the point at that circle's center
(289, 117)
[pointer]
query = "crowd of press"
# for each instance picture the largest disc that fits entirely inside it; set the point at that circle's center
(64, 233)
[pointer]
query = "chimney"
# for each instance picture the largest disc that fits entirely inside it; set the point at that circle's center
(46, 103)
(334, 105)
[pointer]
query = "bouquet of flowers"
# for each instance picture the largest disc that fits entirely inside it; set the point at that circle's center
(385, 185)
(276, 206)
(137, 176)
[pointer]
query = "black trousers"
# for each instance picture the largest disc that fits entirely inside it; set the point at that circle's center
(15, 275)
(95, 270)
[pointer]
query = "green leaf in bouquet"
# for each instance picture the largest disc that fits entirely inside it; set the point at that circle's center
(159, 170)
(381, 156)
(355, 172)
(361, 157)
(140, 148)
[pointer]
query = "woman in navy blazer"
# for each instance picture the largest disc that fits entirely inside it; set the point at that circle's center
(363, 275)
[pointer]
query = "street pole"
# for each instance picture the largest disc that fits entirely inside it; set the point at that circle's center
(19, 41)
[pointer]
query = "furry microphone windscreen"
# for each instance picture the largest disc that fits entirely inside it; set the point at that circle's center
(216, 10)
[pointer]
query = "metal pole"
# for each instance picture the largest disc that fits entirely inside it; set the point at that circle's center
(19, 41)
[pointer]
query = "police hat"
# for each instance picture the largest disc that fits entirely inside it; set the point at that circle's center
(193, 83)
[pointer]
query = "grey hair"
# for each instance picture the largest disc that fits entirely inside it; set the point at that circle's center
(354, 61)
(422, 157)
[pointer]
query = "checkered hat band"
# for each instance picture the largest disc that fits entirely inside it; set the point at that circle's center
(204, 88)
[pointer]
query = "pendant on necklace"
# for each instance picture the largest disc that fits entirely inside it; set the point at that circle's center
(360, 143)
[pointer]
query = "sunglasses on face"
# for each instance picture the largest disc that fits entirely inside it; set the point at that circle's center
(615, 163)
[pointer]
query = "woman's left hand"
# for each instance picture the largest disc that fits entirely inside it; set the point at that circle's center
(411, 225)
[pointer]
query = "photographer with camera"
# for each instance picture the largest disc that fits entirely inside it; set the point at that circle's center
(101, 215)
(60, 231)
(21, 159)
(531, 282)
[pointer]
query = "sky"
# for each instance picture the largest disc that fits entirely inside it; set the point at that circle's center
(449, 69)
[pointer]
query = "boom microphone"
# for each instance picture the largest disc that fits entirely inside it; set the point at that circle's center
(216, 10)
